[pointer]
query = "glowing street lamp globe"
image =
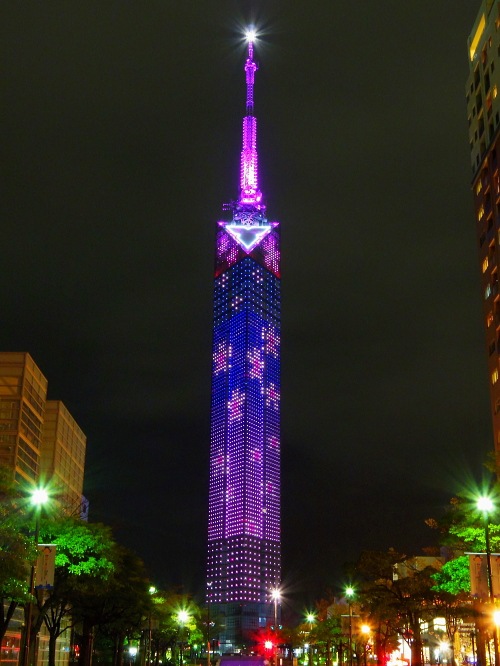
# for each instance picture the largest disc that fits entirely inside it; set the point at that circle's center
(484, 504)
(182, 616)
(39, 497)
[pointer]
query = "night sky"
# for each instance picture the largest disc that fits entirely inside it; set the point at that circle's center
(121, 134)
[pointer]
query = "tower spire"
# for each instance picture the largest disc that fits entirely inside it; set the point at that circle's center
(249, 184)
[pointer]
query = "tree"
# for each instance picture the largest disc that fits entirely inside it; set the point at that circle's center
(85, 559)
(463, 529)
(397, 603)
(170, 634)
(327, 630)
(126, 604)
(17, 550)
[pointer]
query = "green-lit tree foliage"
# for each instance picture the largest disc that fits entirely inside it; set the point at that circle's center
(453, 577)
(85, 559)
(168, 634)
(17, 550)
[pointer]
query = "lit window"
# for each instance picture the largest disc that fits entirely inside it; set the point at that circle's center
(477, 37)
(480, 213)
(485, 264)
(489, 319)
(494, 376)
(487, 291)
(479, 186)
(494, 91)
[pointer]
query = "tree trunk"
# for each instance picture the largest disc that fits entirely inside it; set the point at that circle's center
(416, 652)
(118, 651)
(480, 646)
(52, 649)
(33, 645)
(4, 624)
(328, 653)
(87, 644)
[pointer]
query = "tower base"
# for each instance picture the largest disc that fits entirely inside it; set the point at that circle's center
(239, 627)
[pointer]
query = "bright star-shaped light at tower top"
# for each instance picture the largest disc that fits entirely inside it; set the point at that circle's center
(250, 35)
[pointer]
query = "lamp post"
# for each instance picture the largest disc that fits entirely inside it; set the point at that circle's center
(349, 593)
(485, 505)
(311, 618)
(209, 594)
(365, 629)
(275, 594)
(38, 498)
(152, 590)
(182, 618)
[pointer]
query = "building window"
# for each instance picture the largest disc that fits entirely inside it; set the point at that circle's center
(485, 264)
(480, 213)
(487, 291)
(494, 376)
(494, 92)
(479, 186)
(491, 348)
(489, 318)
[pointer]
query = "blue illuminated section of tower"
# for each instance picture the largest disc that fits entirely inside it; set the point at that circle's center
(244, 558)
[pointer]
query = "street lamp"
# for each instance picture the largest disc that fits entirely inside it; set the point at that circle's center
(311, 618)
(486, 506)
(182, 618)
(349, 593)
(366, 630)
(152, 590)
(38, 498)
(209, 594)
(275, 595)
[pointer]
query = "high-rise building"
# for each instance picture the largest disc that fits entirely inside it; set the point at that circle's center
(23, 393)
(63, 457)
(39, 439)
(483, 113)
(244, 558)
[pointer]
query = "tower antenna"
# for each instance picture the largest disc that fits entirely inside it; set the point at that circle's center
(249, 184)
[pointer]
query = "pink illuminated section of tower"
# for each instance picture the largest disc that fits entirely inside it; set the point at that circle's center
(249, 184)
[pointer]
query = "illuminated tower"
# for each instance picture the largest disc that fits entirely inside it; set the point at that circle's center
(244, 560)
